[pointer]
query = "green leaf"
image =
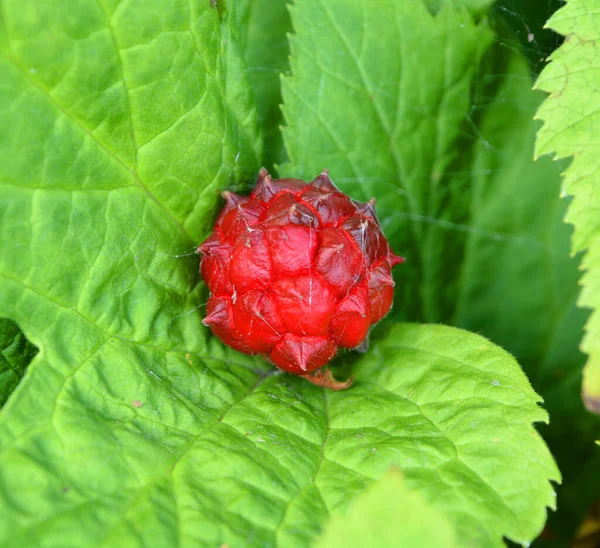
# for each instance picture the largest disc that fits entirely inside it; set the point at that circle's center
(528, 20)
(15, 354)
(114, 89)
(389, 514)
(516, 263)
(448, 153)
(451, 356)
(444, 151)
(519, 284)
(571, 115)
(385, 127)
(181, 442)
(265, 25)
(476, 7)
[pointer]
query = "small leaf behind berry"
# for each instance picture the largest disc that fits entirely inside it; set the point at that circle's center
(388, 514)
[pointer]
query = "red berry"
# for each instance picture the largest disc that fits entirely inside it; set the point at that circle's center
(295, 271)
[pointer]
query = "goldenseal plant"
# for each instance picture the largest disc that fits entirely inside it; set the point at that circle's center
(296, 271)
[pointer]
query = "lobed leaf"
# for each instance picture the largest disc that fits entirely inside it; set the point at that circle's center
(210, 451)
(571, 116)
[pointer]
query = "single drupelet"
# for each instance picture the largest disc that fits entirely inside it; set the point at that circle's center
(296, 270)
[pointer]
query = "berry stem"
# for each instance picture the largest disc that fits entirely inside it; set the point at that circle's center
(323, 377)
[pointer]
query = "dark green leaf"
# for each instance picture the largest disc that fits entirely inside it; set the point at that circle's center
(265, 25)
(15, 354)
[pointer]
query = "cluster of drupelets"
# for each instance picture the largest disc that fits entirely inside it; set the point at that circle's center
(295, 271)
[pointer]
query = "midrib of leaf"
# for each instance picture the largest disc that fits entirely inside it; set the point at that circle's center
(145, 490)
(400, 171)
(131, 170)
(312, 481)
(115, 42)
(418, 190)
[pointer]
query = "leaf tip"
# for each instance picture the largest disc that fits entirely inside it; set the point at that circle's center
(592, 403)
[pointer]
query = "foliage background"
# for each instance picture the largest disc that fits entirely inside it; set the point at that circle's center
(479, 221)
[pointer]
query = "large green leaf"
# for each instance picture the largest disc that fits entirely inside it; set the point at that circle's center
(444, 151)
(571, 117)
(135, 91)
(210, 451)
(15, 354)
(389, 514)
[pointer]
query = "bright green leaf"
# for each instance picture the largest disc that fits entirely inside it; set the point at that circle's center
(571, 116)
(180, 442)
(451, 357)
(15, 354)
(133, 90)
(389, 514)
